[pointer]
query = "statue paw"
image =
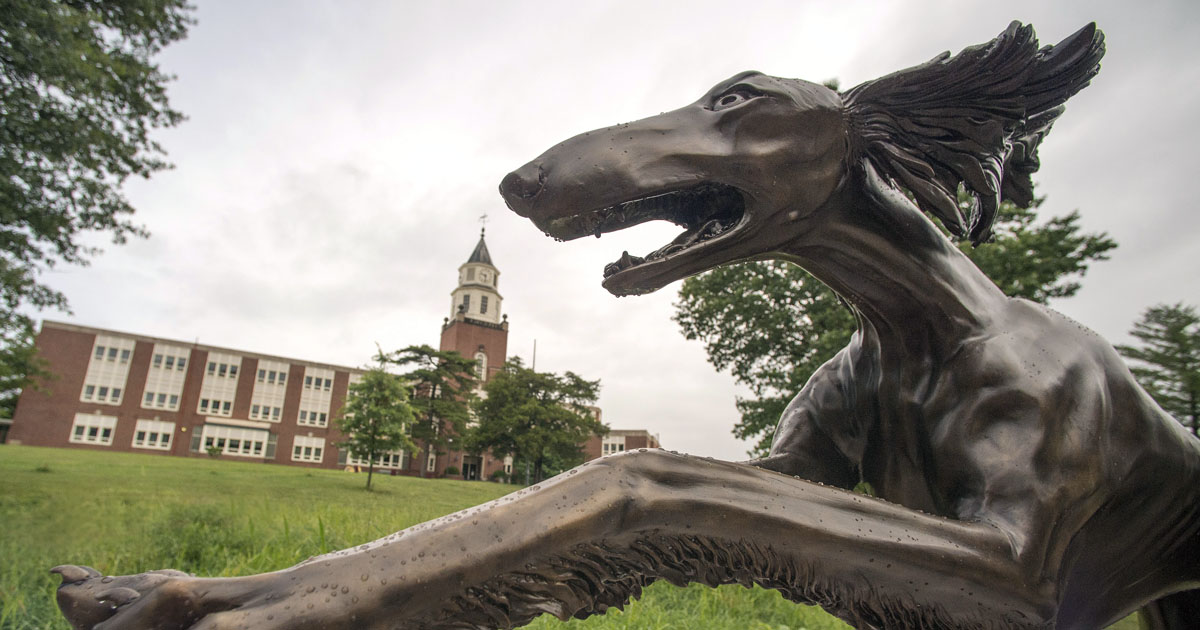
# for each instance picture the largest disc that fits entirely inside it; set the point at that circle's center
(155, 599)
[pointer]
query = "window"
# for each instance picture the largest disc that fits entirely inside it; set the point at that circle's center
(466, 303)
(483, 304)
(612, 445)
(313, 418)
(153, 434)
(391, 459)
(431, 463)
(471, 274)
(308, 449)
(107, 370)
(480, 368)
(235, 441)
(218, 390)
(266, 402)
(164, 379)
(93, 429)
(316, 398)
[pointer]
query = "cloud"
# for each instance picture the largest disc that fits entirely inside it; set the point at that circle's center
(337, 157)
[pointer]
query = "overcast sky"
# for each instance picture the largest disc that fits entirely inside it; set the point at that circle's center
(338, 155)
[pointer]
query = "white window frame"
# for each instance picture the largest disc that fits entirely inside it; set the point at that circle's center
(431, 462)
(308, 449)
(611, 445)
(154, 435)
(316, 397)
(165, 377)
(397, 460)
(93, 428)
(270, 391)
(108, 370)
(235, 441)
(218, 390)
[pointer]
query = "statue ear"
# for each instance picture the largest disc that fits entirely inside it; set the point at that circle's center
(975, 119)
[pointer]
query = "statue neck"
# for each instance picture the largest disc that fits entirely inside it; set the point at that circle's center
(912, 288)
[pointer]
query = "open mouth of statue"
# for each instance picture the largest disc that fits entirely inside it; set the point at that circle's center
(706, 212)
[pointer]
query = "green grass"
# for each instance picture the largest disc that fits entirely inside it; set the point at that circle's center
(128, 513)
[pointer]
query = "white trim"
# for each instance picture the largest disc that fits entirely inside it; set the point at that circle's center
(154, 435)
(230, 422)
(236, 442)
(93, 428)
(308, 449)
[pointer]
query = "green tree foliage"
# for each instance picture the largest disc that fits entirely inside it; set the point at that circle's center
(442, 386)
(771, 324)
(1167, 361)
(79, 98)
(539, 418)
(375, 417)
(19, 364)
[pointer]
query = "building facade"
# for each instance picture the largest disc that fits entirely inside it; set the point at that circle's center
(618, 441)
(125, 392)
(121, 391)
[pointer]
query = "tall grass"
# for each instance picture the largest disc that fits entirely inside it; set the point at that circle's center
(128, 513)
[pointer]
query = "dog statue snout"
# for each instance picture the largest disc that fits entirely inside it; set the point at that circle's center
(522, 186)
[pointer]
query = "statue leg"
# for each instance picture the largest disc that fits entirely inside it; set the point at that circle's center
(594, 536)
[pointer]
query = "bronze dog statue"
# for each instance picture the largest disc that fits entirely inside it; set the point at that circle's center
(1026, 481)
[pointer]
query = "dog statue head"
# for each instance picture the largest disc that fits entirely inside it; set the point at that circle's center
(755, 162)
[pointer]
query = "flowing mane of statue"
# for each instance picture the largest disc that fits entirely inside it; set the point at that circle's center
(1025, 480)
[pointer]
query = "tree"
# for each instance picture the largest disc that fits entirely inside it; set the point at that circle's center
(19, 364)
(79, 97)
(1167, 363)
(375, 417)
(771, 324)
(539, 418)
(441, 385)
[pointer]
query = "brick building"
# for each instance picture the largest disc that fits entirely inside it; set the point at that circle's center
(618, 441)
(122, 391)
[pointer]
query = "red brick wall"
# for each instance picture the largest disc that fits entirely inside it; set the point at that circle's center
(44, 415)
(45, 411)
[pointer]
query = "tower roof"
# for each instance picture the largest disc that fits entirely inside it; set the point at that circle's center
(481, 255)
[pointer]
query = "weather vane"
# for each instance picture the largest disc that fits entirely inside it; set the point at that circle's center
(483, 219)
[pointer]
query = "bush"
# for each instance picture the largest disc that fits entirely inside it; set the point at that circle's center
(452, 470)
(498, 476)
(213, 451)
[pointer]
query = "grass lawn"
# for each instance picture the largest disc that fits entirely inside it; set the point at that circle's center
(128, 513)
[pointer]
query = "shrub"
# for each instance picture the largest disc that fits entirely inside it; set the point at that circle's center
(452, 470)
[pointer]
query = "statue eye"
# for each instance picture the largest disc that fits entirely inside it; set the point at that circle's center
(733, 99)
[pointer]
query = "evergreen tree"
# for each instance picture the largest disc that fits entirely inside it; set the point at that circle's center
(1167, 363)
(441, 386)
(771, 324)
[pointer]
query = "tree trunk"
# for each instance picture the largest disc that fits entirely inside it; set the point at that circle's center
(370, 471)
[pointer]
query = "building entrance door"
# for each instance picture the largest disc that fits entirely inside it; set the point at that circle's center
(471, 468)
